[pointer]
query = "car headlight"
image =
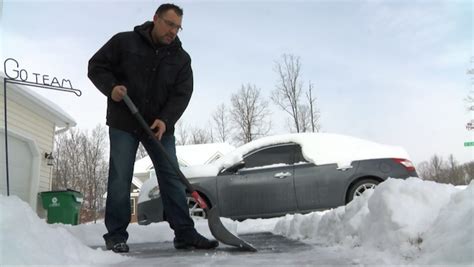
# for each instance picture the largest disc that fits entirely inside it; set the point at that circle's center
(154, 192)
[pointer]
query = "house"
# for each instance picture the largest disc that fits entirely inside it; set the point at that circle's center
(32, 122)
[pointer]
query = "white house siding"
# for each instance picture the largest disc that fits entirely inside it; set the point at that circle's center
(24, 120)
(30, 131)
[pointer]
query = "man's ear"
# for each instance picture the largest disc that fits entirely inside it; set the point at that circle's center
(155, 18)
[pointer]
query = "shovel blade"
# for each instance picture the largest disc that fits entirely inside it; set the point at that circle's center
(222, 234)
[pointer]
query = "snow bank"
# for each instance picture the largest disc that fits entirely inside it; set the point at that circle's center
(409, 218)
(451, 237)
(26, 239)
(400, 222)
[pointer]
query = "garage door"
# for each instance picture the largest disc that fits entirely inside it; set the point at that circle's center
(21, 164)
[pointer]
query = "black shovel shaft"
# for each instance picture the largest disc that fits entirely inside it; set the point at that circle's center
(150, 133)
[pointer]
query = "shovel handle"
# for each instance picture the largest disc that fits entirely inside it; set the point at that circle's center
(150, 133)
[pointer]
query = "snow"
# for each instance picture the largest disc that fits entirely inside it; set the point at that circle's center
(399, 222)
(199, 154)
(324, 148)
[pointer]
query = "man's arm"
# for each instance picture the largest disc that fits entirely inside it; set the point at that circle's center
(101, 67)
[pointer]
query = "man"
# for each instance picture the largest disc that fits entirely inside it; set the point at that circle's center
(150, 66)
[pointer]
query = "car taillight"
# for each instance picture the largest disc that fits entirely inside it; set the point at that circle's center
(406, 163)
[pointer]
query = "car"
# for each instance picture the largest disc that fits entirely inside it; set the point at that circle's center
(285, 174)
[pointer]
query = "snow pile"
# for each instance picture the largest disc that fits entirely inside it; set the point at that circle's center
(26, 239)
(400, 222)
(451, 237)
(409, 218)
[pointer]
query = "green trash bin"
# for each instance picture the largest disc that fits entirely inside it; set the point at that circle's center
(62, 206)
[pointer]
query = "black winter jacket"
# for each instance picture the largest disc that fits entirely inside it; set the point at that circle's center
(159, 80)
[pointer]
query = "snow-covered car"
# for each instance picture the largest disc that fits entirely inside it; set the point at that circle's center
(284, 174)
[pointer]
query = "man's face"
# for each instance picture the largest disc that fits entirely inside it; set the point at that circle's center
(166, 27)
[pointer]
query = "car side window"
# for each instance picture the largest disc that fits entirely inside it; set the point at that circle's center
(281, 154)
(299, 155)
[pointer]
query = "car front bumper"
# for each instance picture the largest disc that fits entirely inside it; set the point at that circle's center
(150, 211)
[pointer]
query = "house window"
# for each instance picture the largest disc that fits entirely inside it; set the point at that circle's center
(132, 202)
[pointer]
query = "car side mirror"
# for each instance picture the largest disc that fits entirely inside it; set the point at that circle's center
(234, 168)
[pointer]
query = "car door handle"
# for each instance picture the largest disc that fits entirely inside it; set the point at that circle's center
(282, 175)
(344, 168)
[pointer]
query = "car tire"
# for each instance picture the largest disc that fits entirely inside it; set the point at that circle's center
(359, 187)
(194, 209)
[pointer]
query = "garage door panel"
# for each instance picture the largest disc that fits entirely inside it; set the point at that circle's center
(20, 159)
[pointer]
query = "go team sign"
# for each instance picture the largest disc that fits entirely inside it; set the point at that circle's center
(18, 75)
(13, 71)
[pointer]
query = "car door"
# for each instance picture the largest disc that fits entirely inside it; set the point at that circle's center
(263, 187)
(320, 186)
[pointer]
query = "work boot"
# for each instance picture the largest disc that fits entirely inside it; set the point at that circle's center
(117, 247)
(197, 241)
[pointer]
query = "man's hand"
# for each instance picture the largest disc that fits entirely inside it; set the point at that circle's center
(118, 92)
(160, 126)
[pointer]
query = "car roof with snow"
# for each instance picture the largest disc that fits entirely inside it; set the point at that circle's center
(318, 148)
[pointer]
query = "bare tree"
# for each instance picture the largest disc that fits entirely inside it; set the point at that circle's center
(288, 92)
(304, 118)
(201, 136)
(437, 166)
(68, 160)
(221, 121)
(438, 170)
(469, 172)
(95, 170)
(81, 165)
(314, 113)
(183, 135)
(249, 113)
(424, 171)
(288, 89)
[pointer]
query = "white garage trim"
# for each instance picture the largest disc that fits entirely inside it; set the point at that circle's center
(39, 104)
(35, 165)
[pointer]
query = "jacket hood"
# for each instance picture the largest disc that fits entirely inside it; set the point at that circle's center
(144, 31)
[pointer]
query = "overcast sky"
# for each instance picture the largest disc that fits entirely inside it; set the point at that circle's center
(389, 71)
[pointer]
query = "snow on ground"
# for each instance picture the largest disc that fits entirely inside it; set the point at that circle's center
(400, 222)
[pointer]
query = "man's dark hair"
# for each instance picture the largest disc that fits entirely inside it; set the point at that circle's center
(165, 7)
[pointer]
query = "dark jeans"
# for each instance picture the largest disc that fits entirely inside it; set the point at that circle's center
(123, 148)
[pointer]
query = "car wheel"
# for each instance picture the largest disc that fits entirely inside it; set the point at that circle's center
(360, 187)
(194, 209)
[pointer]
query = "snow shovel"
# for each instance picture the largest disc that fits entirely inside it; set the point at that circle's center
(215, 225)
